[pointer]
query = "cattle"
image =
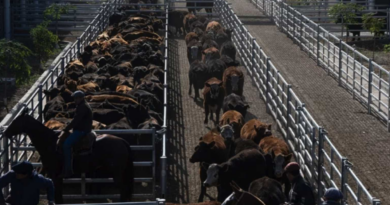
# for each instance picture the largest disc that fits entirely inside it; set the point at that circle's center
(243, 168)
(215, 68)
(197, 77)
(227, 132)
(233, 81)
(244, 144)
(211, 149)
(210, 54)
(222, 37)
(120, 124)
(175, 19)
(191, 36)
(268, 190)
(214, 26)
(147, 99)
(213, 94)
(255, 130)
(235, 119)
(62, 91)
(89, 87)
(75, 65)
(228, 61)
(188, 20)
(194, 51)
(235, 102)
(123, 89)
(110, 98)
(196, 24)
(199, 32)
(229, 49)
(106, 116)
(139, 34)
(210, 44)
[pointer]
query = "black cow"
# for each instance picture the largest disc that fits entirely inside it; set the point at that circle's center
(176, 20)
(228, 61)
(235, 102)
(229, 49)
(194, 51)
(215, 68)
(268, 190)
(197, 77)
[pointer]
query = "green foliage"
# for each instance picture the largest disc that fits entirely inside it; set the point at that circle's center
(344, 12)
(44, 41)
(13, 60)
(374, 25)
(55, 10)
(387, 48)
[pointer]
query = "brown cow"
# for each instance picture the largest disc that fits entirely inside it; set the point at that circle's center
(188, 20)
(213, 94)
(279, 151)
(75, 65)
(210, 54)
(211, 149)
(233, 81)
(71, 84)
(123, 89)
(110, 98)
(235, 119)
(214, 27)
(138, 34)
(255, 130)
(191, 36)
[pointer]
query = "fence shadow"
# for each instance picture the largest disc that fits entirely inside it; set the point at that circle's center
(177, 189)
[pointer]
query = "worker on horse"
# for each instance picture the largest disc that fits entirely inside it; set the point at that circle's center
(81, 125)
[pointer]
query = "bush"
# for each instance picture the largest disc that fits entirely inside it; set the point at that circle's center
(44, 42)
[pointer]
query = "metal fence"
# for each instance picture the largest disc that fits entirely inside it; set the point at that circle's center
(35, 100)
(321, 163)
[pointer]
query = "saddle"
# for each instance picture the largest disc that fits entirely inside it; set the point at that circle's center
(83, 147)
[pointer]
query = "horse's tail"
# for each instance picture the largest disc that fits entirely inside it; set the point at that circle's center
(129, 172)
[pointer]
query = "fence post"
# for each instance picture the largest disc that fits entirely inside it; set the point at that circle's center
(62, 64)
(268, 87)
(344, 176)
(40, 103)
(78, 45)
(340, 61)
(318, 44)
(370, 85)
(288, 110)
(320, 162)
(5, 161)
(253, 56)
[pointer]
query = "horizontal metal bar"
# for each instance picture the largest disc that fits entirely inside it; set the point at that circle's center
(134, 148)
(136, 164)
(102, 180)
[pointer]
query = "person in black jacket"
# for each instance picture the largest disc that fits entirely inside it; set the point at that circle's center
(81, 125)
(25, 185)
(301, 192)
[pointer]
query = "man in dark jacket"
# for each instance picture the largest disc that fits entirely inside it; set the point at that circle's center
(25, 185)
(332, 196)
(81, 125)
(301, 193)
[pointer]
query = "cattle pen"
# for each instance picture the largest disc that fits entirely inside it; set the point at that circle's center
(171, 178)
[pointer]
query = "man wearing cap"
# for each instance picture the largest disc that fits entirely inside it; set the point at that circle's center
(332, 196)
(25, 185)
(81, 125)
(301, 193)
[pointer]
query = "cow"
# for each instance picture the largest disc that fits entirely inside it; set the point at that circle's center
(244, 144)
(175, 19)
(229, 61)
(123, 89)
(148, 100)
(233, 81)
(75, 65)
(235, 102)
(243, 168)
(210, 54)
(196, 24)
(120, 124)
(211, 149)
(281, 156)
(222, 37)
(213, 94)
(229, 49)
(214, 26)
(268, 190)
(255, 130)
(188, 20)
(235, 119)
(197, 77)
(106, 116)
(194, 51)
(215, 68)
(209, 43)
(191, 36)
(62, 91)
(110, 98)
(89, 87)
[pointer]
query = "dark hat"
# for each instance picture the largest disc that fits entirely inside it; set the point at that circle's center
(291, 167)
(333, 194)
(23, 168)
(78, 94)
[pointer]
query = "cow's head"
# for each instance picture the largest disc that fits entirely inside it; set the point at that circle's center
(213, 174)
(279, 162)
(240, 107)
(234, 79)
(211, 54)
(214, 89)
(203, 152)
(194, 52)
(263, 130)
(227, 131)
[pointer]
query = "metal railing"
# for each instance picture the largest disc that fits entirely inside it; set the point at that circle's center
(35, 99)
(321, 162)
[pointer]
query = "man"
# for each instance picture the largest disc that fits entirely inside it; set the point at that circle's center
(81, 125)
(332, 196)
(25, 185)
(301, 193)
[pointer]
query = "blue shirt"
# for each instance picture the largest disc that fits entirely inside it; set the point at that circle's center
(26, 191)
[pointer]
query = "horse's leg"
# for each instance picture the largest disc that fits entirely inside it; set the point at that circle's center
(58, 189)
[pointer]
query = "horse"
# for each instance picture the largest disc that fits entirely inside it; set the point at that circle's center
(241, 197)
(109, 152)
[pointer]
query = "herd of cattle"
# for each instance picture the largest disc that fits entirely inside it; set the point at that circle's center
(246, 154)
(122, 75)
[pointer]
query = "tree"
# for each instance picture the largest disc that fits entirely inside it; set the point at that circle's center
(44, 42)
(13, 60)
(374, 25)
(344, 13)
(54, 12)
(387, 50)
